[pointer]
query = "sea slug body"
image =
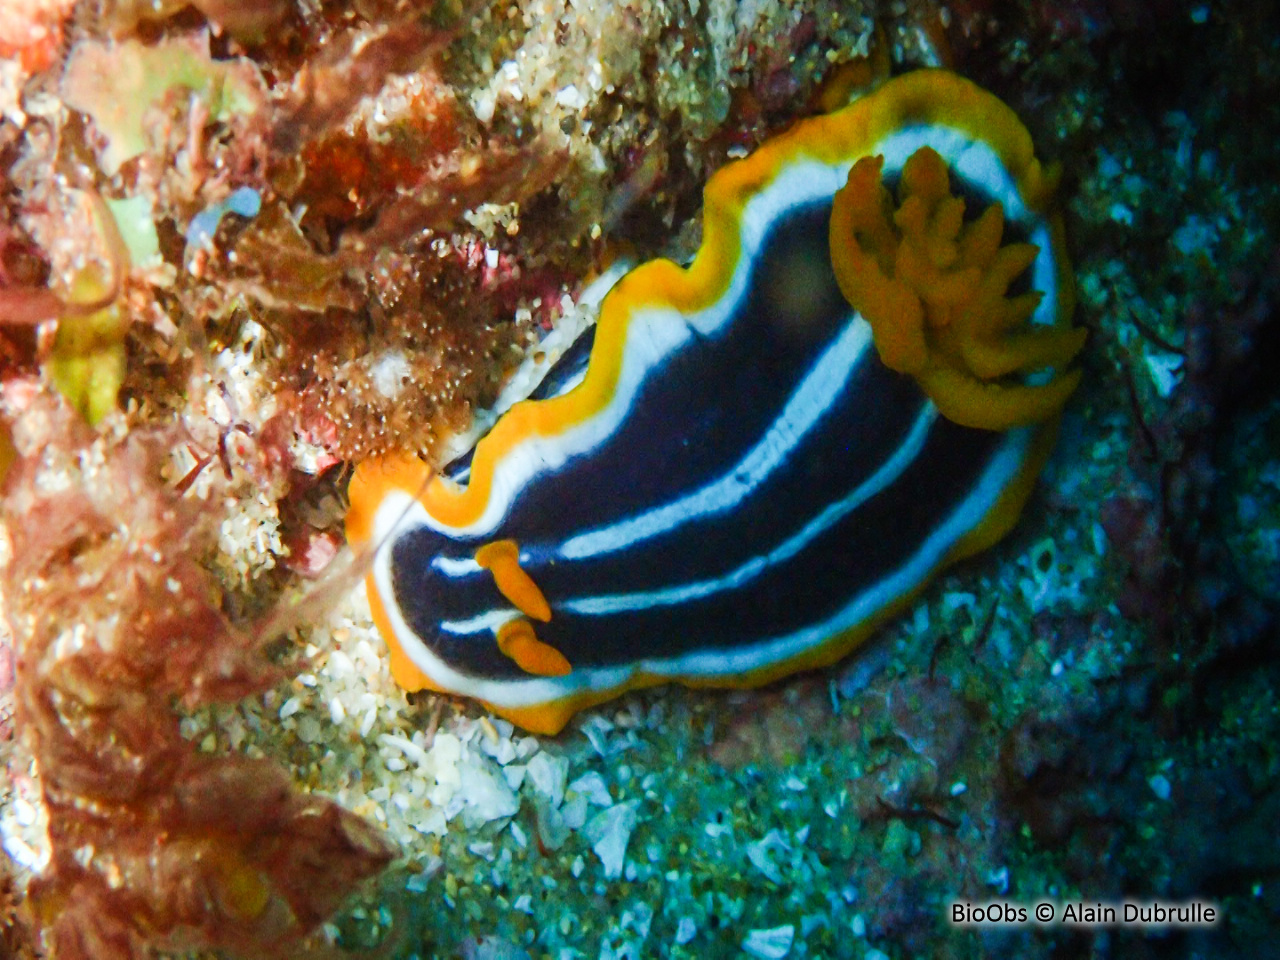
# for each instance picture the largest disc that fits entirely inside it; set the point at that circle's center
(771, 451)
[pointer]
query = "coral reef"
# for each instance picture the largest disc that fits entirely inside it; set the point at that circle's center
(286, 236)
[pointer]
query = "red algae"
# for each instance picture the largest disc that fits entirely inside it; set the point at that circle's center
(352, 66)
(247, 21)
(153, 843)
(32, 31)
(17, 935)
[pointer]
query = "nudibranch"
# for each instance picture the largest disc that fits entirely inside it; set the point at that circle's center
(752, 461)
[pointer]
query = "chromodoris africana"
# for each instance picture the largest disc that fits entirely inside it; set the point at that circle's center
(770, 451)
